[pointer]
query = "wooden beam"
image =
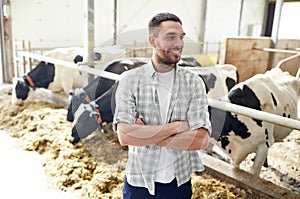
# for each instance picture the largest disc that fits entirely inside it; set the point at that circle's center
(244, 180)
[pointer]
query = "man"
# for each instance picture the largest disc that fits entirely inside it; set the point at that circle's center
(161, 114)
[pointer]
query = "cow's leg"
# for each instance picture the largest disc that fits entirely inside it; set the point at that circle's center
(261, 155)
(266, 162)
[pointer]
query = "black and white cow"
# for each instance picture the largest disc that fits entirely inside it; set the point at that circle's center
(58, 79)
(237, 135)
(188, 61)
(86, 119)
(97, 90)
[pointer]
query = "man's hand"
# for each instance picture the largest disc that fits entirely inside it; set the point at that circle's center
(139, 121)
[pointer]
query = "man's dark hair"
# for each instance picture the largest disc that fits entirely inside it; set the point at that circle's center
(157, 19)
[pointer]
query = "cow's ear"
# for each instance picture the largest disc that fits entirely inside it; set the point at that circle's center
(71, 92)
(78, 58)
(97, 56)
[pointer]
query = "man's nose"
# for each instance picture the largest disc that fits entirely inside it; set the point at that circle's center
(179, 43)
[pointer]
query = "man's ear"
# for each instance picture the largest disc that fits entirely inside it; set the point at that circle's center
(152, 41)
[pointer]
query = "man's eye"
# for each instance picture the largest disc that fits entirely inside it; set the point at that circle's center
(174, 37)
(171, 37)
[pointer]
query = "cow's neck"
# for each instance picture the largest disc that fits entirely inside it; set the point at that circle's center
(29, 81)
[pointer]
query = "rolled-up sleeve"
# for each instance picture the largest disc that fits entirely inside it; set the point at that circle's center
(125, 110)
(198, 115)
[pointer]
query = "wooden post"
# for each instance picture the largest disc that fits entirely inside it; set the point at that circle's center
(24, 58)
(29, 60)
(16, 59)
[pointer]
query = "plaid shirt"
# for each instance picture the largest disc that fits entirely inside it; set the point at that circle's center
(136, 96)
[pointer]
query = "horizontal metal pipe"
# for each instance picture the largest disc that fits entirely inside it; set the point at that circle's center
(256, 114)
(277, 50)
(81, 68)
(287, 59)
(260, 115)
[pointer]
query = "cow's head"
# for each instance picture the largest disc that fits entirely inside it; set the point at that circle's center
(86, 120)
(39, 77)
(77, 97)
(89, 116)
(81, 114)
(20, 91)
(81, 95)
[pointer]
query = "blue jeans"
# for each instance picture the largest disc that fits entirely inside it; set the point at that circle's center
(162, 191)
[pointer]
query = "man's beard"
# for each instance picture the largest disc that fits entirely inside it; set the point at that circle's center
(167, 60)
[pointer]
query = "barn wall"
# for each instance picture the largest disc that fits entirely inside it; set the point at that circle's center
(223, 19)
(290, 15)
(142, 11)
(52, 23)
(48, 23)
(252, 21)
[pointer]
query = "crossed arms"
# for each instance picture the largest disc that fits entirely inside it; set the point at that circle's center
(174, 135)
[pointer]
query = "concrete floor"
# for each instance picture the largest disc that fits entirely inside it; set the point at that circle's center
(22, 175)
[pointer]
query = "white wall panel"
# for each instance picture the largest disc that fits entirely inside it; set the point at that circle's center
(253, 18)
(289, 22)
(48, 23)
(135, 14)
(52, 23)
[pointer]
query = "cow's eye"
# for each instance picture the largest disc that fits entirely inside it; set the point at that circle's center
(82, 96)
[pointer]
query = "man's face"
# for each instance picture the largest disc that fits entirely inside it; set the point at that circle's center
(168, 42)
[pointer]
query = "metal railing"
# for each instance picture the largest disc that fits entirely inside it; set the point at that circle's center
(260, 115)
